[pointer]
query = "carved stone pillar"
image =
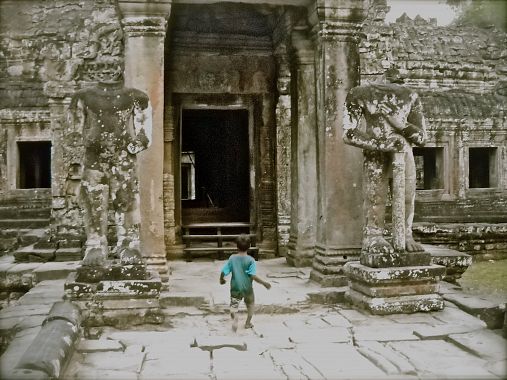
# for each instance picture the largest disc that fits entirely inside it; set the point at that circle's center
(336, 25)
(144, 26)
(283, 149)
(304, 158)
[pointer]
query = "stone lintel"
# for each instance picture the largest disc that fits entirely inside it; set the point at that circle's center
(378, 276)
(396, 305)
(396, 259)
(143, 18)
(136, 8)
(337, 20)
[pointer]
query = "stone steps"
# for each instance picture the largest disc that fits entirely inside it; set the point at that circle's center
(24, 223)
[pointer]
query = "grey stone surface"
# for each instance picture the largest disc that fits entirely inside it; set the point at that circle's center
(98, 345)
(54, 270)
(491, 312)
(319, 341)
(442, 360)
(483, 343)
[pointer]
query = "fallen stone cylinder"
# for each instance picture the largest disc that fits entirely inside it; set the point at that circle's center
(53, 345)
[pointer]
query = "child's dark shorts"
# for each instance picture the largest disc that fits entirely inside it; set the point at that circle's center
(237, 297)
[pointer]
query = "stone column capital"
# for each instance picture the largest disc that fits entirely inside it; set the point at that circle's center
(339, 20)
(145, 17)
(302, 47)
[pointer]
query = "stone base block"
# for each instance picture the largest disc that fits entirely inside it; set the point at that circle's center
(328, 280)
(394, 290)
(112, 271)
(299, 255)
(396, 305)
(298, 261)
(120, 303)
(395, 259)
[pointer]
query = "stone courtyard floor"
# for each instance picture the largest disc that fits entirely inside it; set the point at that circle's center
(296, 335)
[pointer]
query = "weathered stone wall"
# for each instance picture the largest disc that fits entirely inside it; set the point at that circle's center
(460, 74)
(48, 50)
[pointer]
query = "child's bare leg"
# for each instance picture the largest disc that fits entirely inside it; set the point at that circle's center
(250, 310)
(234, 313)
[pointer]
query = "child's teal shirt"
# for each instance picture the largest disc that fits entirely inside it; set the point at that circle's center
(241, 267)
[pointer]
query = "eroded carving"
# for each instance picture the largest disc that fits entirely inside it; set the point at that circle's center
(394, 122)
(114, 124)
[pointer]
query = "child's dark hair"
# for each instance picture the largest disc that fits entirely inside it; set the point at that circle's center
(243, 242)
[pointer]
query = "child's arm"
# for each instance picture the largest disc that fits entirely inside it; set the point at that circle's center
(222, 279)
(266, 284)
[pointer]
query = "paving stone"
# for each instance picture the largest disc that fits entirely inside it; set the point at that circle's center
(338, 361)
(292, 365)
(194, 361)
(354, 316)
(336, 320)
(424, 318)
(426, 332)
(211, 343)
(384, 333)
(228, 363)
(386, 358)
(489, 311)
(86, 372)
(21, 310)
(55, 270)
(115, 361)
(98, 345)
(15, 350)
(483, 343)
(498, 368)
(328, 335)
(439, 359)
(455, 316)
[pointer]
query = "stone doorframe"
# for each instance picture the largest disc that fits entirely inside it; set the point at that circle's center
(254, 104)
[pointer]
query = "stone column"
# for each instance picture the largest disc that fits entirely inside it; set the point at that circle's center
(336, 26)
(283, 149)
(267, 185)
(144, 24)
(304, 157)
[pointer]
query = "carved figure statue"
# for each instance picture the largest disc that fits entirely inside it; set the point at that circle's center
(394, 122)
(115, 125)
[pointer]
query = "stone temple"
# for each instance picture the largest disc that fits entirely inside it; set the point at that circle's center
(247, 104)
(366, 161)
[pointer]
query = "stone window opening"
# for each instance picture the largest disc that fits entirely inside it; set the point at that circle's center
(34, 164)
(429, 168)
(482, 172)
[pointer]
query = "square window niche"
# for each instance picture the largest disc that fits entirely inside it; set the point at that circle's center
(34, 169)
(482, 168)
(429, 163)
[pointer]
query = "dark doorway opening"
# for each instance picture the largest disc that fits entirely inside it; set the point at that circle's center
(482, 167)
(215, 167)
(34, 164)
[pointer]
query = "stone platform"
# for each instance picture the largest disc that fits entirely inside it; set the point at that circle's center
(117, 295)
(406, 289)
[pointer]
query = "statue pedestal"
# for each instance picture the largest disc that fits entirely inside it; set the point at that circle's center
(116, 295)
(394, 290)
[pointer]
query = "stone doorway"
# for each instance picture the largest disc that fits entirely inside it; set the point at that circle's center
(215, 166)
